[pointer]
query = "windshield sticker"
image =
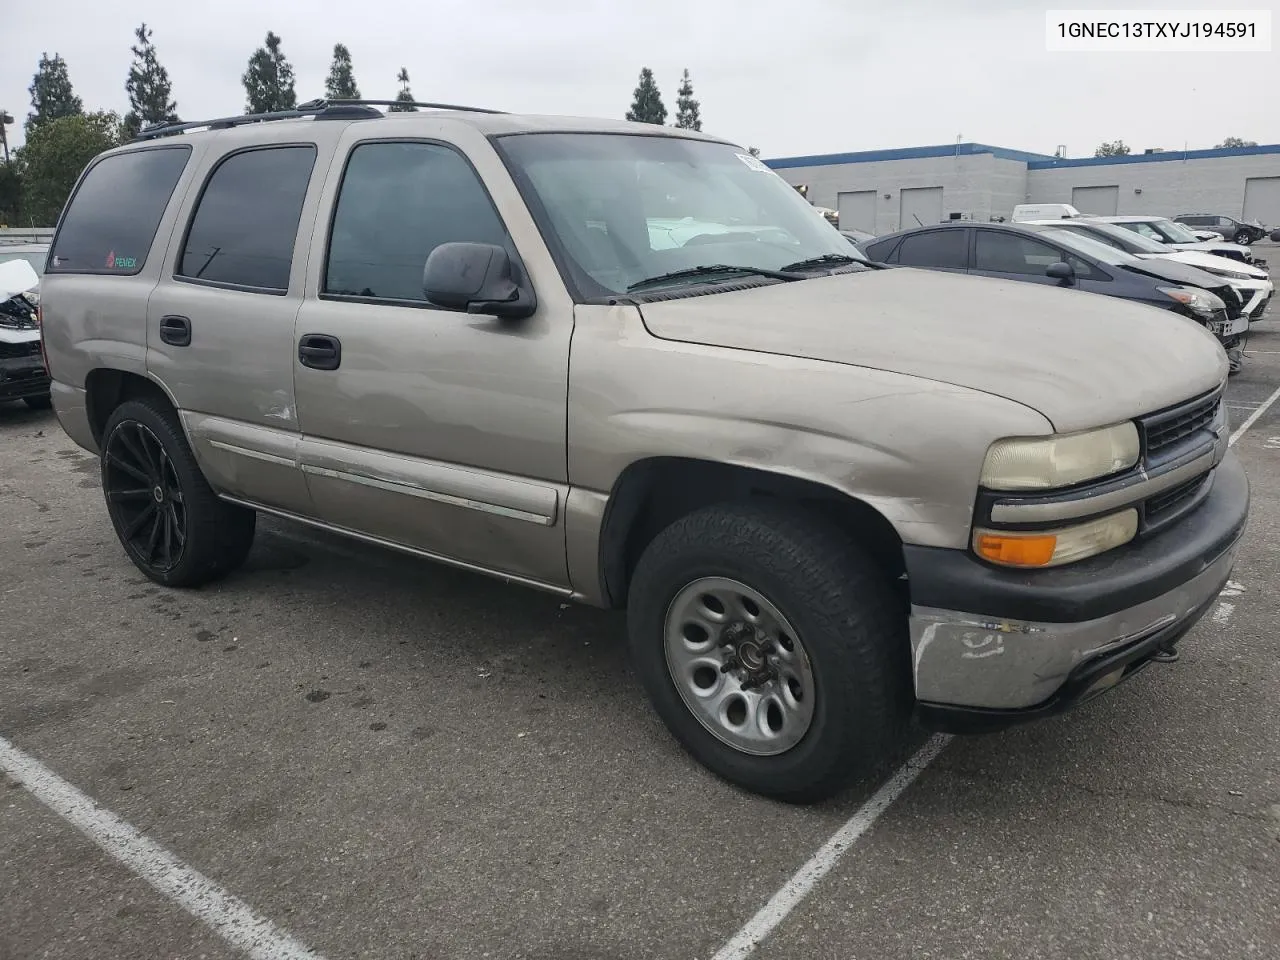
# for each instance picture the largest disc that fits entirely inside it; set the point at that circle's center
(755, 163)
(120, 263)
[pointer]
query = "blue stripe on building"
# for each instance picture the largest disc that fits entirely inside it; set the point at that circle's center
(1034, 161)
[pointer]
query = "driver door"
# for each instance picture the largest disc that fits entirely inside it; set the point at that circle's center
(429, 428)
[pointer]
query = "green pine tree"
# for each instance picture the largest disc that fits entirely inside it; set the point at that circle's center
(341, 83)
(148, 87)
(51, 93)
(268, 83)
(405, 98)
(687, 115)
(53, 157)
(646, 102)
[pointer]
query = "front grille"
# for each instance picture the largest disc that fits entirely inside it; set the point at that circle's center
(1166, 504)
(16, 351)
(1163, 430)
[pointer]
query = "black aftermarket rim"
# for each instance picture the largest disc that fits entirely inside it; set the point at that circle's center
(144, 496)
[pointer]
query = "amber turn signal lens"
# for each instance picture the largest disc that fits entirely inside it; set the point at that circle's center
(1017, 551)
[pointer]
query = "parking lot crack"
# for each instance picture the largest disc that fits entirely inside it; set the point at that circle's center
(1184, 803)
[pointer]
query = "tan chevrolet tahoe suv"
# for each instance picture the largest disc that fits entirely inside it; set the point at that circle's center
(629, 365)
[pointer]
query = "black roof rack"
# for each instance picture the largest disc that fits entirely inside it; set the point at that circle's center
(320, 109)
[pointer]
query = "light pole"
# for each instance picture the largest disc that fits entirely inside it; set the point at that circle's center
(6, 118)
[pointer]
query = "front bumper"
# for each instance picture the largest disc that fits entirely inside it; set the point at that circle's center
(1255, 296)
(21, 372)
(992, 647)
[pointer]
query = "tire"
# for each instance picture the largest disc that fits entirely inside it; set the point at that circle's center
(189, 537)
(1243, 237)
(39, 403)
(845, 618)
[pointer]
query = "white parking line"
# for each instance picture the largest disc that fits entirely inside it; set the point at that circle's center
(746, 940)
(229, 917)
(1253, 417)
(744, 943)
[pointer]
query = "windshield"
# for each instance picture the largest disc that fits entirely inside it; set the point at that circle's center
(1173, 232)
(626, 208)
(35, 259)
(1089, 247)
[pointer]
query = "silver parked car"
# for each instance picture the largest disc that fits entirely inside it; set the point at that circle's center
(828, 493)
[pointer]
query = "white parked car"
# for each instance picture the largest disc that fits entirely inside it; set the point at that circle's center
(1166, 231)
(1250, 281)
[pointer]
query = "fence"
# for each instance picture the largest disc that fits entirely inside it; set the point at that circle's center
(26, 234)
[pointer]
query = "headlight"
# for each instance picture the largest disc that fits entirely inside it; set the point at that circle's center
(1052, 548)
(1045, 463)
(1200, 301)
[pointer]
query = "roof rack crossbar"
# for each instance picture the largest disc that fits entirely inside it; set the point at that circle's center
(312, 108)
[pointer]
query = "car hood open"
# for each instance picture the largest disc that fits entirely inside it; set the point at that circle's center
(1080, 359)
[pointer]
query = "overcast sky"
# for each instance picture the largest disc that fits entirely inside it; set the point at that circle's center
(792, 77)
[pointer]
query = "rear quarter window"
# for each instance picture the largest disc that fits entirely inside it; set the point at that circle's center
(112, 218)
(881, 252)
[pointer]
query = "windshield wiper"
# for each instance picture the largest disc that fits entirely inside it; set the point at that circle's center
(822, 261)
(690, 272)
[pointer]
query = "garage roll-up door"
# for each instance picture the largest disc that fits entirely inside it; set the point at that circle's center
(1096, 201)
(857, 210)
(1262, 200)
(922, 204)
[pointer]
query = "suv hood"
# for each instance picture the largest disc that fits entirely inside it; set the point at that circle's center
(1082, 360)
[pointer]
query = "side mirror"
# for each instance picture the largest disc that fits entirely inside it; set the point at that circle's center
(1060, 271)
(478, 278)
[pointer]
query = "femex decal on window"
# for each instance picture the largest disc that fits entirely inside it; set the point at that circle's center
(120, 263)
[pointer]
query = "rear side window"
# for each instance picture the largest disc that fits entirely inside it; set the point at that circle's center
(397, 203)
(246, 221)
(938, 248)
(113, 217)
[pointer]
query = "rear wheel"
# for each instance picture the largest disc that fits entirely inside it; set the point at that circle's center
(772, 648)
(170, 522)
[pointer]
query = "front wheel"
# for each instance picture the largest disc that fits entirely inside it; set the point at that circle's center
(772, 648)
(43, 402)
(1244, 238)
(172, 525)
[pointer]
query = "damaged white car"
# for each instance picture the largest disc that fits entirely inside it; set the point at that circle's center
(22, 371)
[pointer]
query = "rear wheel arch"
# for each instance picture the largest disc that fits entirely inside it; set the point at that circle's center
(651, 494)
(106, 388)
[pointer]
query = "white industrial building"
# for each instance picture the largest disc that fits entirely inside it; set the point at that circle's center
(880, 191)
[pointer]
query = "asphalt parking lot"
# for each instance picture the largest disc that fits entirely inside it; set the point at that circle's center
(390, 759)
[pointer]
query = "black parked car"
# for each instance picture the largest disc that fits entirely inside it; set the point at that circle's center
(1049, 254)
(1237, 231)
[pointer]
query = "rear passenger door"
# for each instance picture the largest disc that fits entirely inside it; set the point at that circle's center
(220, 322)
(431, 428)
(946, 250)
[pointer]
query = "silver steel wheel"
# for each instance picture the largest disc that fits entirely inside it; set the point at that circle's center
(739, 666)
